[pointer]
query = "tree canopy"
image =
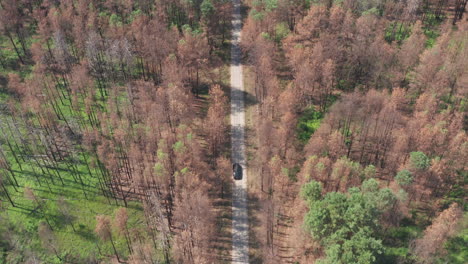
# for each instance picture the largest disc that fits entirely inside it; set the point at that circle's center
(347, 223)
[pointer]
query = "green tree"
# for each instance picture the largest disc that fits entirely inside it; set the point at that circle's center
(271, 5)
(207, 8)
(419, 160)
(369, 172)
(311, 191)
(358, 249)
(281, 31)
(115, 20)
(346, 223)
(404, 177)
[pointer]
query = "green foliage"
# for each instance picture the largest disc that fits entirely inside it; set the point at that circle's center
(419, 160)
(326, 216)
(397, 31)
(430, 28)
(179, 146)
(281, 31)
(384, 199)
(361, 7)
(347, 223)
(308, 123)
(256, 15)
(360, 248)
(403, 234)
(115, 20)
(158, 168)
(431, 35)
(207, 8)
(9, 61)
(431, 23)
(177, 16)
(265, 35)
(135, 14)
(271, 5)
(161, 155)
(397, 240)
(370, 186)
(344, 85)
(456, 248)
(319, 167)
(373, 11)
(432, 20)
(404, 177)
(313, 2)
(74, 246)
(311, 191)
(291, 173)
(457, 193)
(354, 169)
(256, 3)
(186, 28)
(369, 172)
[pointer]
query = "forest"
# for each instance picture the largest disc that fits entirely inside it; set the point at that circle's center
(115, 137)
(101, 130)
(359, 128)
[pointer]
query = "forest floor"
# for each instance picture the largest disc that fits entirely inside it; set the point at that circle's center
(223, 205)
(289, 235)
(79, 191)
(26, 216)
(254, 206)
(240, 230)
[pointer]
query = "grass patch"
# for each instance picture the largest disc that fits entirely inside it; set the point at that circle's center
(9, 60)
(308, 123)
(75, 246)
(431, 24)
(455, 246)
(76, 242)
(397, 31)
(397, 239)
(457, 252)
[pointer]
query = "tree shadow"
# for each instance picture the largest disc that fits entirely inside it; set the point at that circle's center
(249, 99)
(244, 11)
(203, 89)
(3, 84)
(254, 221)
(85, 232)
(223, 240)
(18, 209)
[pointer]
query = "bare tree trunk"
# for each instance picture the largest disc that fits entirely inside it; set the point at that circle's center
(15, 47)
(115, 250)
(7, 194)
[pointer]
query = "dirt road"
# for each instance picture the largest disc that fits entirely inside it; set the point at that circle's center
(240, 224)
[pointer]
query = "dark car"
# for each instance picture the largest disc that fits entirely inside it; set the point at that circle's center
(237, 171)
